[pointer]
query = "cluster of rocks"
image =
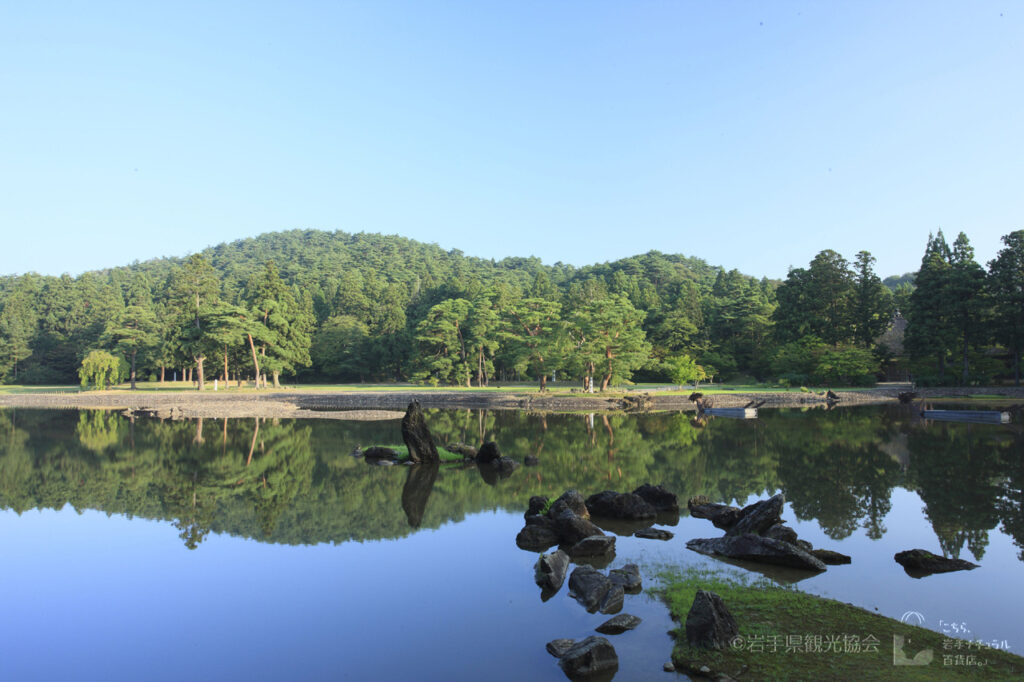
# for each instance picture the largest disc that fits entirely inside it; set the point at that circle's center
(567, 520)
(757, 533)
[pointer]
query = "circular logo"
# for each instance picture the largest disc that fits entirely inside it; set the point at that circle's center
(912, 618)
(736, 642)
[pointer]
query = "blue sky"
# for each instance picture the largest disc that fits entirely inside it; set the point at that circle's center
(750, 134)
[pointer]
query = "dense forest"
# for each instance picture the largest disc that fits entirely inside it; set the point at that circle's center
(334, 307)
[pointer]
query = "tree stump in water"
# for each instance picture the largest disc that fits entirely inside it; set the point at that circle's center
(417, 436)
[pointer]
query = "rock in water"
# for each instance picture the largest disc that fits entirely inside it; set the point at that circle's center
(417, 436)
(571, 500)
(654, 534)
(377, 452)
(920, 562)
(594, 590)
(722, 515)
(628, 576)
(589, 657)
(827, 556)
(549, 571)
(618, 624)
(536, 538)
(756, 548)
(709, 625)
(572, 528)
(627, 506)
(488, 453)
(659, 498)
(758, 517)
(595, 545)
(536, 505)
(558, 647)
(461, 448)
(781, 531)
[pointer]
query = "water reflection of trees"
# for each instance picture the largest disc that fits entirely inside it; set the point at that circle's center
(295, 482)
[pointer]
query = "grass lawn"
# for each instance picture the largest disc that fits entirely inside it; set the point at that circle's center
(786, 634)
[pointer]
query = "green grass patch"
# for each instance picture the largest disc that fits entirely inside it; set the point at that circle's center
(786, 634)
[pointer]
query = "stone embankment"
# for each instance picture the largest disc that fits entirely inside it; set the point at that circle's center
(313, 404)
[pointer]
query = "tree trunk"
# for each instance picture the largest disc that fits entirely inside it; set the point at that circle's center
(199, 371)
(255, 360)
(276, 374)
(162, 370)
(543, 382)
(226, 375)
(134, 351)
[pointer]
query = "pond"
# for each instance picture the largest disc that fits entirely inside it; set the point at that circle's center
(259, 549)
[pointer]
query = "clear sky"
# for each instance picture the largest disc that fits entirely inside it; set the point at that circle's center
(750, 134)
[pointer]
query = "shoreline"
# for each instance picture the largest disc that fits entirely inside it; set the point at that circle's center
(367, 405)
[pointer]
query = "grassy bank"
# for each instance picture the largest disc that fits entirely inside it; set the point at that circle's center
(786, 634)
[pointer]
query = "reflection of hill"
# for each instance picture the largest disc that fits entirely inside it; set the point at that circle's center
(292, 482)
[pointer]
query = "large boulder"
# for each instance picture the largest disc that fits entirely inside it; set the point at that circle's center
(572, 528)
(594, 590)
(920, 562)
(756, 548)
(569, 500)
(780, 531)
(536, 506)
(758, 517)
(589, 657)
(709, 625)
(625, 506)
(549, 571)
(487, 453)
(659, 498)
(721, 515)
(417, 436)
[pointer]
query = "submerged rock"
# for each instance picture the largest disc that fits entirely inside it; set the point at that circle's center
(654, 534)
(655, 495)
(589, 657)
(920, 562)
(756, 548)
(618, 624)
(709, 625)
(627, 506)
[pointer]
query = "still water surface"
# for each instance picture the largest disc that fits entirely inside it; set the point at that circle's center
(245, 549)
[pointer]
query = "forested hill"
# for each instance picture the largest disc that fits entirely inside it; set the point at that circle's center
(367, 296)
(325, 306)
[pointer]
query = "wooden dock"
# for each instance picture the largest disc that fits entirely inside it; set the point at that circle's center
(968, 416)
(733, 412)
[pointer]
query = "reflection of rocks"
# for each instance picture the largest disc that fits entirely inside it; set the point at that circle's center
(654, 534)
(595, 591)
(709, 625)
(549, 571)
(628, 576)
(416, 435)
(756, 548)
(659, 498)
(616, 625)
(531, 461)
(594, 658)
(919, 563)
(416, 491)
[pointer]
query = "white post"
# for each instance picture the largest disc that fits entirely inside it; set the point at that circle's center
(214, 384)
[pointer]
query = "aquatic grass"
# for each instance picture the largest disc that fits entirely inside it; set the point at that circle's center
(786, 634)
